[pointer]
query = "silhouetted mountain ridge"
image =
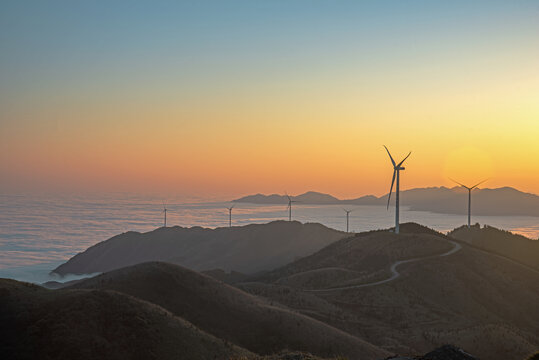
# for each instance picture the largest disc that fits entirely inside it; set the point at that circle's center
(247, 249)
(499, 201)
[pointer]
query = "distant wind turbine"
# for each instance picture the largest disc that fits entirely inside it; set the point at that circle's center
(289, 207)
(165, 211)
(230, 215)
(396, 172)
(469, 188)
(347, 217)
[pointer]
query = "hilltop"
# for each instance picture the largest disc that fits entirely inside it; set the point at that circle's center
(501, 242)
(245, 249)
(499, 201)
(447, 292)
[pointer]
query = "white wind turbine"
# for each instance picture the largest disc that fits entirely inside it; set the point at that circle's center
(230, 215)
(396, 173)
(347, 218)
(165, 211)
(289, 206)
(469, 188)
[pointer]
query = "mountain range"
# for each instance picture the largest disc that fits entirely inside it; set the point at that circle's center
(499, 201)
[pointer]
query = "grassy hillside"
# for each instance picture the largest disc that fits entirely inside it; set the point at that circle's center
(246, 249)
(97, 324)
(231, 314)
(473, 298)
(362, 258)
(504, 243)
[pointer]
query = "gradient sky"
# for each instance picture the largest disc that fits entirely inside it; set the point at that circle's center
(235, 97)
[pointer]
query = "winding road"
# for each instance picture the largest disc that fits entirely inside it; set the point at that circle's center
(394, 273)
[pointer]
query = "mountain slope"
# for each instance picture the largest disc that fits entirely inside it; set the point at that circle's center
(472, 298)
(97, 324)
(230, 313)
(361, 258)
(246, 249)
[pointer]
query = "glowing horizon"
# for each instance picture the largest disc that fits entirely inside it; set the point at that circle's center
(261, 97)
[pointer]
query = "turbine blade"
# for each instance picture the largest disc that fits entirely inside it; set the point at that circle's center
(478, 184)
(455, 181)
(464, 186)
(391, 157)
(404, 159)
(391, 188)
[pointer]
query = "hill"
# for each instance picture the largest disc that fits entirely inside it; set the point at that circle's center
(499, 201)
(466, 296)
(246, 249)
(229, 313)
(310, 197)
(364, 257)
(97, 324)
(501, 242)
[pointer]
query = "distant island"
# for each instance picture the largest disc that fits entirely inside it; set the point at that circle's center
(504, 201)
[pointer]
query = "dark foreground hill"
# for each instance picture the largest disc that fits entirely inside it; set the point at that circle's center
(483, 302)
(229, 313)
(504, 243)
(246, 249)
(43, 324)
(446, 352)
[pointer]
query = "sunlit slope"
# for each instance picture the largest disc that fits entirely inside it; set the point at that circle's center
(472, 298)
(97, 324)
(231, 314)
(246, 249)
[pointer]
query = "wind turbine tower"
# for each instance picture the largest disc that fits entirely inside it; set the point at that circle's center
(347, 218)
(289, 207)
(469, 188)
(165, 211)
(396, 173)
(230, 215)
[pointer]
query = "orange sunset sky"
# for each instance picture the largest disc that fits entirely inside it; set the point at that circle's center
(245, 97)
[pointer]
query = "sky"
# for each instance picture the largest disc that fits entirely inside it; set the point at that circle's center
(228, 98)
